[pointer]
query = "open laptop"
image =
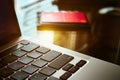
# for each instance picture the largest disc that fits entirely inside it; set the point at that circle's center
(31, 59)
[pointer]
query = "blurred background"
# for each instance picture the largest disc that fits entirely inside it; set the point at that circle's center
(100, 39)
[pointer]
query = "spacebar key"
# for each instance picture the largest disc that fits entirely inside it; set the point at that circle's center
(61, 61)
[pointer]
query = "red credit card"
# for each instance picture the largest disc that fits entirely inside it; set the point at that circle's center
(63, 17)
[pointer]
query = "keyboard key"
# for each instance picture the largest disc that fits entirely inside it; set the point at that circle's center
(18, 46)
(24, 42)
(19, 53)
(65, 76)
(39, 63)
(51, 55)
(30, 69)
(16, 66)
(74, 69)
(81, 63)
(9, 58)
(30, 47)
(38, 76)
(9, 50)
(25, 60)
(42, 50)
(68, 66)
(47, 71)
(20, 75)
(53, 78)
(5, 72)
(60, 61)
(2, 64)
(34, 54)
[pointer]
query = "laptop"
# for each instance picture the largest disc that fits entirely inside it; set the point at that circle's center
(31, 59)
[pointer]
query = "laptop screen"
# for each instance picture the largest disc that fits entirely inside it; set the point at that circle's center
(9, 28)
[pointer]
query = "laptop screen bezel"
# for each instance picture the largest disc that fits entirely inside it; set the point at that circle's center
(9, 27)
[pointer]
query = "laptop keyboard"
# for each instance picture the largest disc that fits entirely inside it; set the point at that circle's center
(30, 61)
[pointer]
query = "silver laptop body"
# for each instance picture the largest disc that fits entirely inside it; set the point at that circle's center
(94, 69)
